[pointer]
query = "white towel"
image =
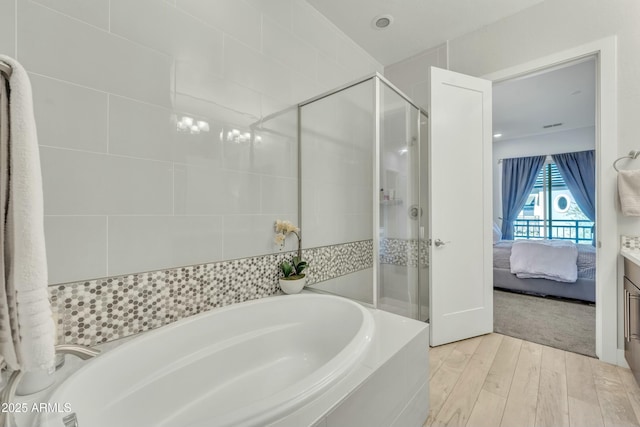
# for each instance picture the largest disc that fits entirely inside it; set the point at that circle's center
(629, 192)
(546, 259)
(25, 262)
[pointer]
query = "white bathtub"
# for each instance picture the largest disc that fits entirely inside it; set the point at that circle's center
(246, 364)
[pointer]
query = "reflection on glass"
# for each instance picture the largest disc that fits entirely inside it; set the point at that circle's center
(361, 196)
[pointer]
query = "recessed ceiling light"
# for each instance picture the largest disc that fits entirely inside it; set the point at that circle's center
(497, 135)
(381, 22)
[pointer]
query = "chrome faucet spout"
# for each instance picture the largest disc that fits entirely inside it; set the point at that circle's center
(80, 351)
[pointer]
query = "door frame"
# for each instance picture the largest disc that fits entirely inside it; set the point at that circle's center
(608, 285)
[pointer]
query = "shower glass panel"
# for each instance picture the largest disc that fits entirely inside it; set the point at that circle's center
(363, 151)
(400, 211)
(336, 162)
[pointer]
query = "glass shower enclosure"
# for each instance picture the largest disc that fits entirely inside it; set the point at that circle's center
(363, 192)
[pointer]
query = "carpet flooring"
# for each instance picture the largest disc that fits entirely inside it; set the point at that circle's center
(566, 325)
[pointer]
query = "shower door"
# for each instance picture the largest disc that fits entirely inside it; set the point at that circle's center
(400, 213)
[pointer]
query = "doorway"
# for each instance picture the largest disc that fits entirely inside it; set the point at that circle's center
(544, 150)
(606, 228)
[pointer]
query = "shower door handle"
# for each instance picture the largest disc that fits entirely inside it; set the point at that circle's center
(439, 243)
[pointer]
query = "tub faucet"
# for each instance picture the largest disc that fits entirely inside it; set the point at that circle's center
(7, 395)
(80, 351)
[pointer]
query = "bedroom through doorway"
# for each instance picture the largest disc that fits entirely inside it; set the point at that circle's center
(544, 253)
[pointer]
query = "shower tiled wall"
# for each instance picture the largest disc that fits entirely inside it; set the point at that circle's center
(404, 252)
(152, 119)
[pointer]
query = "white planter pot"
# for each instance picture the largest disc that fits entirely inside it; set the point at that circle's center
(292, 286)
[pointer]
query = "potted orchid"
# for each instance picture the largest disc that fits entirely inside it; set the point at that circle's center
(293, 279)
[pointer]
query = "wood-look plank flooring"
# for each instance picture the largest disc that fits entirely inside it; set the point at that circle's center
(496, 380)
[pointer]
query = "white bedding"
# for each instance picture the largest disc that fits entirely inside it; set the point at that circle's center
(545, 259)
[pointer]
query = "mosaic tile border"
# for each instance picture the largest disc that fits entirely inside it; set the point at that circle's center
(404, 252)
(101, 310)
(630, 242)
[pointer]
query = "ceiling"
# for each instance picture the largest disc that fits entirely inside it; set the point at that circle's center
(417, 24)
(565, 94)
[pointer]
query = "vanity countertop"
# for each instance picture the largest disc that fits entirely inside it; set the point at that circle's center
(631, 255)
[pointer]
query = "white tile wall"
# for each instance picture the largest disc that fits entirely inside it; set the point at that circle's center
(145, 243)
(292, 51)
(248, 235)
(111, 80)
(358, 285)
(236, 18)
(82, 183)
(412, 74)
(77, 245)
(337, 139)
(94, 12)
(70, 116)
(56, 45)
(7, 27)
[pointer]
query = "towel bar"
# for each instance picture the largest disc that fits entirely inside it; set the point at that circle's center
(5, 69)
(633, 154)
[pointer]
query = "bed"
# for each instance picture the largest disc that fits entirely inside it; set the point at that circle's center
(583, 289)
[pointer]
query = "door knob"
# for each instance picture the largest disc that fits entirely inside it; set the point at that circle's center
(439, 243)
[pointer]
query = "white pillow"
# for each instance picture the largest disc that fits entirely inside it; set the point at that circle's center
(497, 233)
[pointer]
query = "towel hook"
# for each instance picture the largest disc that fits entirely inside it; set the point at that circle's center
(633, 154)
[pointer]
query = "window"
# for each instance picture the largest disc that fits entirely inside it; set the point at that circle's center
(551, 212)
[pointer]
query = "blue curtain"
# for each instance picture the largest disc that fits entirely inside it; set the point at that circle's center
(579, 173)
(518, 178)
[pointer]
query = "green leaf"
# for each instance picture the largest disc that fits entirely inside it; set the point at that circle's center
(286, 268)
(299, 267)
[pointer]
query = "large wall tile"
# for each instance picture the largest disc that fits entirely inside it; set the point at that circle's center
(303, 89)
(8, 27)
(58, 46)
(144, 243)
(234, 17)
(283, 45)
(249, 235)
(202, 190)
(191, 104)
(80, 183)
(76, 247)
(69, 116)
(279, 194)
(193, 148)
(312, 26)
(267, 154)
(113, 78)
(353, 58)
(250, 68)
(147, 22)
(331, 74)
(223, 92)
(195, 46)
(281, 11)
(94, 12)
(140, 130)
(276, 155)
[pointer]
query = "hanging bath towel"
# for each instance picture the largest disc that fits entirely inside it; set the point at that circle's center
(629, 192)
(27, 339)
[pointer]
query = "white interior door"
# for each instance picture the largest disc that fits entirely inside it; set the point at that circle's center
(461, 276)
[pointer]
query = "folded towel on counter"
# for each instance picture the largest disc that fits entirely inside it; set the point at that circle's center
(26, 300)
(545, 259)
(629, 192)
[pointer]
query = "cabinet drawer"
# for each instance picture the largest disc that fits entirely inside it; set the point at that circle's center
(632, 271)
